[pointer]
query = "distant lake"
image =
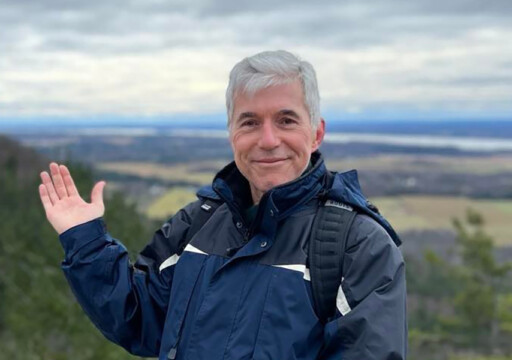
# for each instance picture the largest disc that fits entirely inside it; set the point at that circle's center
(479, 144)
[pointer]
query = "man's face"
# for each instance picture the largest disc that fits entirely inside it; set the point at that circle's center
(272, 137)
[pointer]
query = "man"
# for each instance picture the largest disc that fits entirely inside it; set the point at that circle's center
(238, 287)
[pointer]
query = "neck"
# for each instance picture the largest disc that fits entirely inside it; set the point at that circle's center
(256, 195)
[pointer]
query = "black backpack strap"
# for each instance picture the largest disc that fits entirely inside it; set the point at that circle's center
(326, 251)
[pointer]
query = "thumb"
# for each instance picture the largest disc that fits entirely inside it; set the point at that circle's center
(97, 193)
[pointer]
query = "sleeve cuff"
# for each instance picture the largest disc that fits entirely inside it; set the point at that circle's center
(75, 238)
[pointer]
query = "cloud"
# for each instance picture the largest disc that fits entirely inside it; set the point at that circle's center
(155, 56)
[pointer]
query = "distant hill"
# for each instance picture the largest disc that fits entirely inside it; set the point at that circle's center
(476, 128)
(24, 161)
(482, 128)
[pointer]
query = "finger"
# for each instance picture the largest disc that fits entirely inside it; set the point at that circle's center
(60, 188)
(68, 181)
(47, 182)
(97, 193)
(45, 198)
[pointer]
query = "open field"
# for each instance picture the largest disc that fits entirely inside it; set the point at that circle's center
(198, 172)
(436, 212)
(202, 172)
(472, 165)
(170, 203)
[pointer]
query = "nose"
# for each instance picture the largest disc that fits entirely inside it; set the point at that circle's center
(269, 138)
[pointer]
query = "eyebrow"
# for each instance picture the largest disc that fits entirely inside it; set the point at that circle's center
(287, 112)
(250, 114)
(245, 115)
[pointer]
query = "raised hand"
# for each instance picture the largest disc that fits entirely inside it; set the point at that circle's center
(63, 205)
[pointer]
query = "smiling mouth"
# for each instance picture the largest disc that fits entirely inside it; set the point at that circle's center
(270, 161)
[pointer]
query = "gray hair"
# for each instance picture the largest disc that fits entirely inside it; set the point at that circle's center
(271, 68)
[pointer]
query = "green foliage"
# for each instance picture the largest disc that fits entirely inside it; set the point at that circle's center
(39, 317)
(505, 313)
(465, 306)
(483, 279)
(477, 357)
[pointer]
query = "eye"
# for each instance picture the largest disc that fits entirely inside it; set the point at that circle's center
(287, 121)
(248, 123)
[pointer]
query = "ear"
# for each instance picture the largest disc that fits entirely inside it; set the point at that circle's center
(319, 135)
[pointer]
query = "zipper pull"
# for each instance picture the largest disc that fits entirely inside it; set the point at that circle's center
(171, 355)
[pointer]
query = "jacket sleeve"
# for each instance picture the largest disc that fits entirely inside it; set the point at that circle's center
(126, 302)
(371, 302)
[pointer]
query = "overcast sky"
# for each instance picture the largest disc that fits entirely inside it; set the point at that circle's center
(172, 57)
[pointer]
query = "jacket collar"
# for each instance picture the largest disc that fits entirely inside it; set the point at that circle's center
(234, 189)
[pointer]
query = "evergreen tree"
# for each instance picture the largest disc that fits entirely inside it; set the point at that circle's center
(483, 282)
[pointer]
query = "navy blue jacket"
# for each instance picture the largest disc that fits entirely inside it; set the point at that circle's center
(239, 292)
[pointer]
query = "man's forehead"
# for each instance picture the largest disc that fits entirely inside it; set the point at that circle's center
(278, 98)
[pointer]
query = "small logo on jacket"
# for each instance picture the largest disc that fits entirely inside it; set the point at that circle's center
(206, 207)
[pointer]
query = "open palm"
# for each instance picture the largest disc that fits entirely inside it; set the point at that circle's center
(62, 203)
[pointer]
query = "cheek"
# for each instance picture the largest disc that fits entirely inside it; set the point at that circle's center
(304, 144)
(241, 144)
(235, 143)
